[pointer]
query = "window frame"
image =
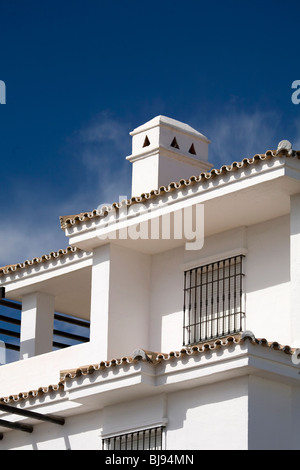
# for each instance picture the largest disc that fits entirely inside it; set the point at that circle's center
(190, 335)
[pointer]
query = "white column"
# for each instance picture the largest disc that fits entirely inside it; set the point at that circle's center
(295, 269)
(2, 353)
(100, 291)
(130, 278)
(120, 302)
(36, 324)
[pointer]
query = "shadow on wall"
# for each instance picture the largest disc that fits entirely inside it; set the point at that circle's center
(166, 301)
(47, 436)
(267, 262)
(209, 417)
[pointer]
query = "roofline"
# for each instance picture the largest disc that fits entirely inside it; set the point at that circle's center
(62, 253)
(170, 123)
(152, 358)
(70, 220)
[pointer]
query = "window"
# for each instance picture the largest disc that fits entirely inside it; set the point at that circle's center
(213, 300)
(146, 439)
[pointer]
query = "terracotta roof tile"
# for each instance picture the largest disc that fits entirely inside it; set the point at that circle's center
(33, 393)
(153, 358)
(157, 357)
(70, 220)
(38, 260)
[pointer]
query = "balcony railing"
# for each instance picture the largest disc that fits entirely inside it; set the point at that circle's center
(69, 328)
(10, 324)
(213, 300)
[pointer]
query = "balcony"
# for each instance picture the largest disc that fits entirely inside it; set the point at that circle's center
(67, 330)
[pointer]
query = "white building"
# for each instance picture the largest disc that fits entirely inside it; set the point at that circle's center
(192, 291)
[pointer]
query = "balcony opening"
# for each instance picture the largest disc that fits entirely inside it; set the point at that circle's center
(10, 325)
(69, 330)
(213, 301)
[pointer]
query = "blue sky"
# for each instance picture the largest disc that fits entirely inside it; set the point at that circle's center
(80, 75)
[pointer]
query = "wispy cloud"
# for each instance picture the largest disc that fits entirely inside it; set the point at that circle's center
(236, 134)
(98, 175)
(296, 139)
(101, 147)
(28, 241)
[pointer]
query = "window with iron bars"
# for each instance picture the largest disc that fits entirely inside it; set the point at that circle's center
(146, 439)
(213, 300)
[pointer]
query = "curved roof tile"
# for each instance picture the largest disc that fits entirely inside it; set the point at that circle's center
(153, 358)
(38, 260)
(70, 220)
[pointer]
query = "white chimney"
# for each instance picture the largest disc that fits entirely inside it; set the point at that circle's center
(165, 150)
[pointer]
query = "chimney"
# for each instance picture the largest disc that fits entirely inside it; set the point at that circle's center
(165, 150)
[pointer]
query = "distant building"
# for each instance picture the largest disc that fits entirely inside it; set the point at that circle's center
(190, 292)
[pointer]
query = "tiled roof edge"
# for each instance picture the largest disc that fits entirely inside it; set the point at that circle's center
(33, 393)
(70, 220)
(151, 357)
(53, 255)
(155, 357)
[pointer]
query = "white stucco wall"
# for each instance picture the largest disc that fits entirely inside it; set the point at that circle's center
(195, 419)
(251, 410)
(273, 415)
(41, 371)
(128, 301)
(244, 413)
(81, 432)
(145, 300)
(120, 302)
(166, 301)
(266, 282)
(211, 417)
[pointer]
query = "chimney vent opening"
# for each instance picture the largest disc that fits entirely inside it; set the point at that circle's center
(192, 150)
(174, 144)
(146, 142)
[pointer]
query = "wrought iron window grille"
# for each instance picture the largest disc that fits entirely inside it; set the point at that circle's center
(146, 439)
(213, 300)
